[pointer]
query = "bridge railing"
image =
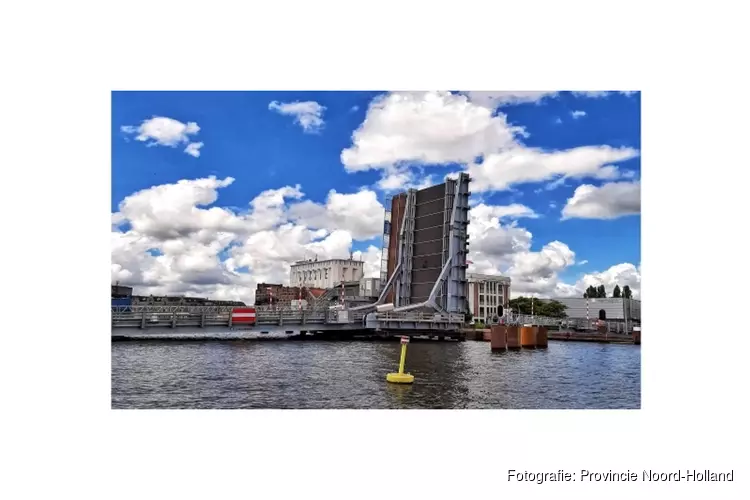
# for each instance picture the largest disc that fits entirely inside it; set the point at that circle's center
(420, 317)
(158, 309)
(570, 323)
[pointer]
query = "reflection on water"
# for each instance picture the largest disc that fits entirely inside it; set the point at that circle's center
(318, 374)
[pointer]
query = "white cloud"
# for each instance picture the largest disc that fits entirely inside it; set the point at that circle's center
(426, 127)
(497, 244)
(360, 214)
(619, 274)
(398, 179)
(494, 99)
(591, 93)
(193, 149)
(211, 251)
(308, 114)
(406, 129)
(163, 131)
(371, 258)
(201, 248)
(578, 114)
(609, 201)
(522, 165)
(583, 263)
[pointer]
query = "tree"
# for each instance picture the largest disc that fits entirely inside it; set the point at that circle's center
(601, 293)
(591, 293)
(626, 292)
(616, 292)
(542, 307)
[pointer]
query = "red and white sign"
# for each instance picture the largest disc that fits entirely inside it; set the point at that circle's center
(243, 315)
(404, 340)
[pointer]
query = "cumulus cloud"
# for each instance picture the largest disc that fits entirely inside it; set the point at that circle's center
(361, 214)
(403, 130)
(163, 131)
(426, 128)
(499, 245)
(619, 274)
(608, 201)
(308, 114)
(173, 239)
(578, 114)
(524, 165)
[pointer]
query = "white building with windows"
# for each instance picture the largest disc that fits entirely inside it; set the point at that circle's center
(325, 273)
(486, 292)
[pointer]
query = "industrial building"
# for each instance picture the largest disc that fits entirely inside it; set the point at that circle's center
(607, 309)
(281, 295)
(486, 292)
(325, 273)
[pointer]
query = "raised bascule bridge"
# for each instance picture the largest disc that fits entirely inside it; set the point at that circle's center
(423, 272)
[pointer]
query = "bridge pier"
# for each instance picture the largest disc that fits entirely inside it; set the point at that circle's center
(203, 320)
(174, 320)
(143, 320)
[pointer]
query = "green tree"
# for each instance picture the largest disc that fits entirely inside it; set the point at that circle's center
(591, 293)
(552, 309)
(626, 292)
(616, 292)
(542, 307)
(601, 292)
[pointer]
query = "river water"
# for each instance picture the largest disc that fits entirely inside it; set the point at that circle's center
(337, 374)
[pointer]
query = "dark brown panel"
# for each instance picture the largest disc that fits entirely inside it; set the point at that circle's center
(431, 193)
(434, 233)
(428, 247)
(420, 262)
(425, 221)
(420, 292)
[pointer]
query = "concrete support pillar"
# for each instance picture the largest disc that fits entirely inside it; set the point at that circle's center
(143, 320)
(174, 320)
(229, 323)
(203, 320)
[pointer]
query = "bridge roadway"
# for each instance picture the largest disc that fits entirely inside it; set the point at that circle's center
(148, 319)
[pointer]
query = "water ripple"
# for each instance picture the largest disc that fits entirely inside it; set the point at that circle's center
(316, 374)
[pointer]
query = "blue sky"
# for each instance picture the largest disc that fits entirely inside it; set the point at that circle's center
(264, 148)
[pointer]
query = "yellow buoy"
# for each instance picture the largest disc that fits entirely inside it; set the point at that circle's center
(401, 377)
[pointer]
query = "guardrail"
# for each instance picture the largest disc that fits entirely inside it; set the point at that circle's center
(420, 317)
